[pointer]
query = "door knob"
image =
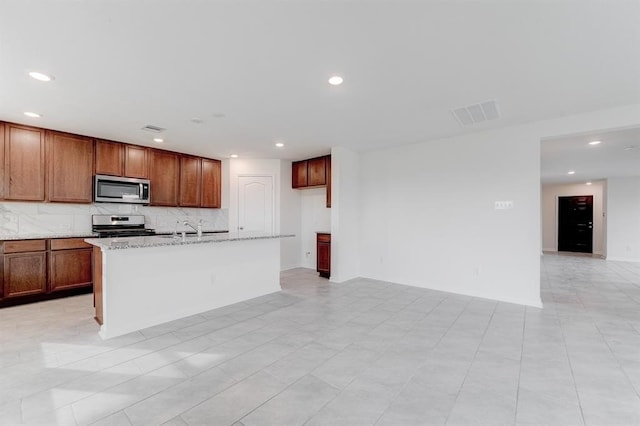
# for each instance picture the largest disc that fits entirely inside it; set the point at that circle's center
(240, 228)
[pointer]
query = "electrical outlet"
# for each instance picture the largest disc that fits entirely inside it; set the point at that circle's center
(503, 205)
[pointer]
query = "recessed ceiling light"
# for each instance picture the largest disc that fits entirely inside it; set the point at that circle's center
(159, 140)
(279, 144)
(594, 143)
(234, 156)
(32, 114)
(571, 172)
(196, 120)
(40, 76)
(336, 80)
(588, 183)
(629, 147)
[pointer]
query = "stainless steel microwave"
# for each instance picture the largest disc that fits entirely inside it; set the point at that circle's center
(113, 189)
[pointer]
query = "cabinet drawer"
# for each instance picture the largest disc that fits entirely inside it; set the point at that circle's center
(69, 243)
(22, 246)
(324, 238)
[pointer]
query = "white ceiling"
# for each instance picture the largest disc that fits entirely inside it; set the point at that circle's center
(618, 155)
(264, 64)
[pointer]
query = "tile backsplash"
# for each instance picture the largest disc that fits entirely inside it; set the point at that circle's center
(18, 218)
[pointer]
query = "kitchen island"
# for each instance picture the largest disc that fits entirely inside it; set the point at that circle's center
(140, 282)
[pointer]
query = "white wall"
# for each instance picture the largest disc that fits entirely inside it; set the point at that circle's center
(429, 218)
(315, 217)
(550, 194)
(291, 217)
(346, 215)
(427, 210)
(623, 219)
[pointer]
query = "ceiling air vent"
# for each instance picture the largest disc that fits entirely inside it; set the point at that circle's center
(154, 129)
(476, 113)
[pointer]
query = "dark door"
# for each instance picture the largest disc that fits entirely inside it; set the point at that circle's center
(575, 224)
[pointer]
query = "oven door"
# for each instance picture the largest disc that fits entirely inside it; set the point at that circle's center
(112, 189)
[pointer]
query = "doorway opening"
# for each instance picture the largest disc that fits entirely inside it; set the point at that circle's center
(575, 224)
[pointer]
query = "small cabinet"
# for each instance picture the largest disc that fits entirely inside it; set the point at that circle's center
(109, 158)
(323, 254)
(24, 159)
(70, 264)
(164, 177)
(136, 161)
(316, 171)
(299, 174)
(24, 268)
(190, 181)
(211, 183)
(70, 168)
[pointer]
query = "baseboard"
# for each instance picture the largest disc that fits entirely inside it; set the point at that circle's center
(622, 259)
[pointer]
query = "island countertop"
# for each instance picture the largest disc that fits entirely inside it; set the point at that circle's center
(170, 240)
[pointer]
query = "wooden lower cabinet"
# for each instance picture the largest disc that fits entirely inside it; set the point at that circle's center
(70, 269)
(34, 270)
(25, 274)
(323, 254)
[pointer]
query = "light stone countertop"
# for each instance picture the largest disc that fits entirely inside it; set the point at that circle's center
(13, 237)
(169, 240)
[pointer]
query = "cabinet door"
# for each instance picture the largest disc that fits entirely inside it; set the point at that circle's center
(70, 269)
(211, 183)
(2, 128)
(25, 274)
(190, 181)
(299, 174)
(109, 158)
(164, 175)
(323, 250)
(136, 161)
(24, 163)
(316, 172)
(70, 167)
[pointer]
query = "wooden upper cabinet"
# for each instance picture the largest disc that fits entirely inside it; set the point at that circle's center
(136, 161)
(190, 181)
(24, 163)
(211, 183)
(164, 174)
(299, 174)
(109, 158)
(70, 168)
(316, 171)
(2, 126)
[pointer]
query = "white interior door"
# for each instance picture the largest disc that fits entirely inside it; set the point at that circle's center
(255, 204)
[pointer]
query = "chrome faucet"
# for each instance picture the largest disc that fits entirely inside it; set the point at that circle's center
(198, 229)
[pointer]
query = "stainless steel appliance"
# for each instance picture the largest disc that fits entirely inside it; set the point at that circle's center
(111, 226)
(113, 189)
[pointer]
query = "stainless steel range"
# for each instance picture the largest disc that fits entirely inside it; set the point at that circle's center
(111, 226)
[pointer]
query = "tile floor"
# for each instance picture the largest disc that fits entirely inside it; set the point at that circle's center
(361, 353)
